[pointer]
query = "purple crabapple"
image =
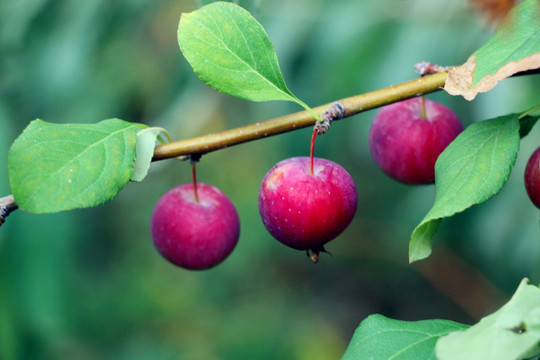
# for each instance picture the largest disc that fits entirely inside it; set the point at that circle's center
(195, 230)
(407, 137)
(305, 210)
(532, 178)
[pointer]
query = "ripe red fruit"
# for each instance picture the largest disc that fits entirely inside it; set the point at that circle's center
(193, 234)
(406, 145)
(532, 178)
(304, 210)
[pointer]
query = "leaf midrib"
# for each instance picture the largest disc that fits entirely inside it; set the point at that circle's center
(427, 337)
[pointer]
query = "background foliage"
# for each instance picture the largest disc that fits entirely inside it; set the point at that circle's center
(89, 284)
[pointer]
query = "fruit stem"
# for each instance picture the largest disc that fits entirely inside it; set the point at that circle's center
(423, 107)
(335, 112)
(194, 175)
(193, 160)
(312, 148)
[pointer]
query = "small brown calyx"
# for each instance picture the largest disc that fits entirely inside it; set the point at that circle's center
(314, 253)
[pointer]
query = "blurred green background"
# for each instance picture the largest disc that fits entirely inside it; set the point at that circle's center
(88, 284)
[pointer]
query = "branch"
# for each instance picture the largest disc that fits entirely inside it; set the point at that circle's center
(352, 106)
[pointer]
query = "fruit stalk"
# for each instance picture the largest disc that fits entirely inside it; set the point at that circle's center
(351, 106)
(423, 115)
(311, 150)
(194, 176)
(193, 160)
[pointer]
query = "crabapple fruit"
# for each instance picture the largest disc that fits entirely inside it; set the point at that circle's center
(407, 137)
(195, 232)
(532, 178)
(305, 210)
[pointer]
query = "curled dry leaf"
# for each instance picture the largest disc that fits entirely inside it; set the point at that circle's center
(513, 49)
(460, 79)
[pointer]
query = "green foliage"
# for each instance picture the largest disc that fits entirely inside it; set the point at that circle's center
(230, 51)
(381, 338)
(55, 167)
(88, 61)
(472, 169)
(511, 333)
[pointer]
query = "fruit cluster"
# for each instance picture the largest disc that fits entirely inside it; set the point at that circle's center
(305, 202)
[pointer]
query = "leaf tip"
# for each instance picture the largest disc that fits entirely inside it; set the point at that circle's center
(420, 243)
(418, 254)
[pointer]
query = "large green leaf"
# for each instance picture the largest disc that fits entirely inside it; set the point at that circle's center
(381, 338)
(54, 167)
(230, 51)
(511, 333)
(514, 48)
(472, 169)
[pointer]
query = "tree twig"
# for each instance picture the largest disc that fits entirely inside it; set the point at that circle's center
(352, 106)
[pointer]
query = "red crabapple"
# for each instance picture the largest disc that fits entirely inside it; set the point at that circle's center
(406, 144)
(532, 178)
(305, 210)
(193, 234)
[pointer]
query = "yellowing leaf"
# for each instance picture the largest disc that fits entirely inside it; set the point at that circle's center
(514, 48)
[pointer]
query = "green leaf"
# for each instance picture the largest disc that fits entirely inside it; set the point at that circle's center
(526, 124)
(514, 48)
(230, 51)
(472, 169)
(146, 142)
(510, 333)
(55, 167)
(381, 338)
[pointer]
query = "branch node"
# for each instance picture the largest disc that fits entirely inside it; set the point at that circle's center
(426, 68)
(7, 205)
(336, 111)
